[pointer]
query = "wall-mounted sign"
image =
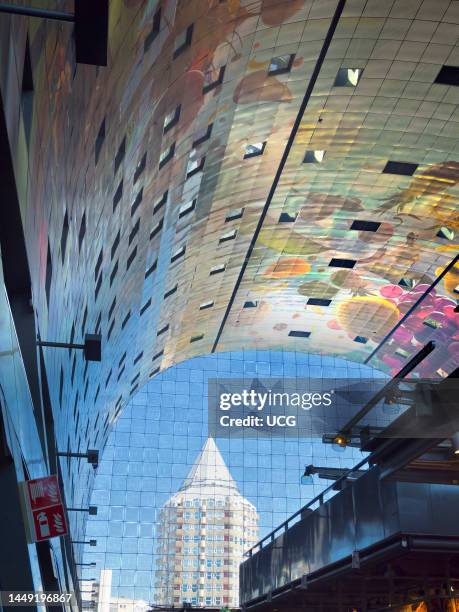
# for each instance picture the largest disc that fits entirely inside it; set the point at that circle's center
(43, 508)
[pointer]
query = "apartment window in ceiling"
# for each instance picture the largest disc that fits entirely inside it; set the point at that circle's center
(250, 304)
(125, 320)
(49, 273)
(171, 119)
(27, 92)
(160, 203)
(158, 227)
(401, 168)
(361, 339)
(115, 244)
(348, 77)
(166, 155)
(448, 75)
(64, 235)
(118, 195)
(134, 231)
(217, 269)
(234, 214)
(170, 292)
(186, 208)
(206, 305)
(287, 217)
(281, 64)
(365, 226)
(446, 233)
(313, 157)
(137, 202)
(131, 258)
(140, 168)
(202, 135)
(154, 372)
(254, 149)
(180, 252)
(342, 263)
(151, 268)
(98, 286)
(182, 41)
(145, 306)
(82, 231)
(162, 330)
(112, 308)
(196, 337)
(318, 302)
(155, 29)
(157, 355)
(120, 154)
(228, 236)
(299, 334)
(194, 166)
(213, 78)
(99, 141)
(98, 264)
(113, 274)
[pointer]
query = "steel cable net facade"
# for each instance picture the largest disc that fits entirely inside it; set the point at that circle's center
(148, 179)
(176, 508)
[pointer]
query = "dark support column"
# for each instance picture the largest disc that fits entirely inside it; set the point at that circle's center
(15, 571)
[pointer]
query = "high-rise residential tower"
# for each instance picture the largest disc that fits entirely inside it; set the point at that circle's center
(202, 533)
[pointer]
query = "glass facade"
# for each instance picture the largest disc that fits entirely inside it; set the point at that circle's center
(148, 525)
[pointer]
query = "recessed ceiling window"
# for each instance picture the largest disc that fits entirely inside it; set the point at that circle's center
(163, 330)
(348, 77)
(180, 252)
(156, 26)
(118, 195)
(254, 149)
(64, 235)
(140, 168)
(448, 75)
(145, 306)
(157, 228)
(131, 258)
(186, 208)
(202, 135)
(402, 353)
(194, 166)
(134, 231)
(120, 154)
(171, 119)
(158, 354)
(361, 339)
(115, 244)
(213, 78)
(228, 236)
(250, 304)
(137, 201)
(99, 141)
(287, 217)
(166, 155)
(82, 231)
(299, 334)
(183, 40)
(314, 157)
(281, 64)
(205, 305)
(318, 302)
(234, 214)
(398, 167)
(151, 267)
(196, 337)
(342, 263)
(217, 269)
(446, 233)
(408, 283)
(170, 292)
(160, 203)
(365, 226)
(113, 273)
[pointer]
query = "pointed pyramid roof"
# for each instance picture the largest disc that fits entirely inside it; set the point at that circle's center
(209, 474)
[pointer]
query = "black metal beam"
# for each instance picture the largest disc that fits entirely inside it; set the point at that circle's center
(28, 11)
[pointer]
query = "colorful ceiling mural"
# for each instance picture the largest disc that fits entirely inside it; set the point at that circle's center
(247, 173)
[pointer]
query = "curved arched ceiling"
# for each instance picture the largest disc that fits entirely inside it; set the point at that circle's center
(172, 243)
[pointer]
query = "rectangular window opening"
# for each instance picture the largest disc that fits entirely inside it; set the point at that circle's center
(281, 64)
(401, 168)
